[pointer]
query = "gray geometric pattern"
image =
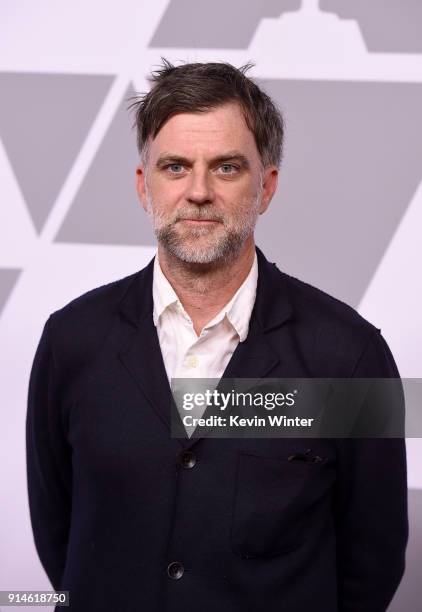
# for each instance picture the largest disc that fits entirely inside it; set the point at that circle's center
(343, 188)
(8, 278)
(106, 209)
(388, 26)
(44, 119)
(215, 25)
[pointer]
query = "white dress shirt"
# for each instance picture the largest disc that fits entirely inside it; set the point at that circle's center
(187, 355)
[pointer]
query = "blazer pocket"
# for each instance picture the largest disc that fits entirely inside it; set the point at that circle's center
(275, 504)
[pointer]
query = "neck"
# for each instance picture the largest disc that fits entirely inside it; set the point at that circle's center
(203, 289)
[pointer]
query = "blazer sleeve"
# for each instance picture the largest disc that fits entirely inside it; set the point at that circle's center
(48, 460)
(371, 505)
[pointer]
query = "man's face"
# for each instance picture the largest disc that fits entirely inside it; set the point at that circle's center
(203, 185)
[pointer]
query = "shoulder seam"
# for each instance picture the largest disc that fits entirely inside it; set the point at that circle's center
(375, 332)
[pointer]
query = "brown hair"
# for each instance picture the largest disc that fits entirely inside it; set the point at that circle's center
(200, 87)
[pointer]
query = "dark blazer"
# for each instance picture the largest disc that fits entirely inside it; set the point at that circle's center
(128, 518)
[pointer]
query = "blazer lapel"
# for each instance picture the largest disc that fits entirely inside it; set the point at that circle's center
(142, 357)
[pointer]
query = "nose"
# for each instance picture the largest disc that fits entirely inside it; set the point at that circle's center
(199, 188)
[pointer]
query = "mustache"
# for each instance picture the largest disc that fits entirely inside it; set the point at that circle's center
(198, 214)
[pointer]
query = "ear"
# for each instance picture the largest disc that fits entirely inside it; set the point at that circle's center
(140, 185)
(269, 184)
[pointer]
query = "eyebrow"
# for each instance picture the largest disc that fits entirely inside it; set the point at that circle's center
(170, 158)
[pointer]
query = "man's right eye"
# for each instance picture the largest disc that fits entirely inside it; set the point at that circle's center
(174, 168)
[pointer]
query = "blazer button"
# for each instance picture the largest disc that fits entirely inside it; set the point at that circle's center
(188, 459)
(175, 570)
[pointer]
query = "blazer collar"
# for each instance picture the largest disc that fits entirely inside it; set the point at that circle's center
(137, 303)
(272, 304)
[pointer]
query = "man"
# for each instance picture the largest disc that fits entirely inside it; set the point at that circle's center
(127, 517)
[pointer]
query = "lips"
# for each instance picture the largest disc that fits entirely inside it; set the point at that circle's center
(194, 221)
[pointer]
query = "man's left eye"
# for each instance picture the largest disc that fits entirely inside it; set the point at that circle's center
(228, 168)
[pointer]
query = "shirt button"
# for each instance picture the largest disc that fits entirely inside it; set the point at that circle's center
(192, 361)
(175, 570)
(188, 459)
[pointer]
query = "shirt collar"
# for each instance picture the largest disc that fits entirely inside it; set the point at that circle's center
(238, 310)
(162, 292)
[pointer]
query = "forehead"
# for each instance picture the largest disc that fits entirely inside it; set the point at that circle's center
(205, 132)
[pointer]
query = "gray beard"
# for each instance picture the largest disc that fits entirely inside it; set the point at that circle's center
(227, 244)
